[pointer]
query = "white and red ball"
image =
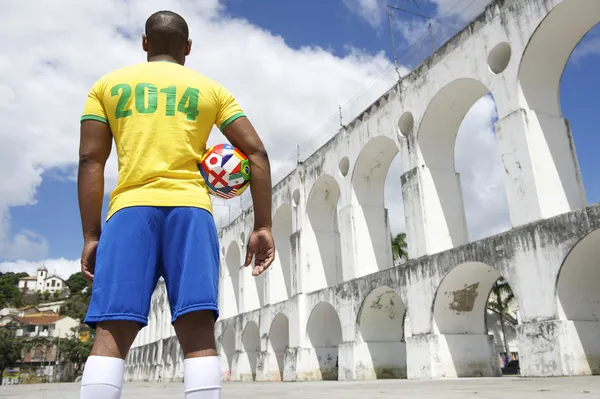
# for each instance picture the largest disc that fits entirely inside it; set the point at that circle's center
(226, 171)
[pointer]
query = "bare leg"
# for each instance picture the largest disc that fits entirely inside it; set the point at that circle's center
(196, 334)
(114, 338)
(202, 369)
(103, 373)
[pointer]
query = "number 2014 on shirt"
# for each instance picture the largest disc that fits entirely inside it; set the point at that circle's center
(187, 105)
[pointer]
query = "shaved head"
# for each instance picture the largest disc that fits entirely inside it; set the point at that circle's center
(167, 34)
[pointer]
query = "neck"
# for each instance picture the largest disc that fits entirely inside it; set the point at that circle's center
(165, 57)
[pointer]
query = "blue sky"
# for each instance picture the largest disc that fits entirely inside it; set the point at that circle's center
(336, 28)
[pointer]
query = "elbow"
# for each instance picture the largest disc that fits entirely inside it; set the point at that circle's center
(259, 152)
(88, 160)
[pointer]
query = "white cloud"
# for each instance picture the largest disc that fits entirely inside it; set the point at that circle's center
(589, 47)
(446, 16)
(48, 67)
(61, 267)
(371, 11)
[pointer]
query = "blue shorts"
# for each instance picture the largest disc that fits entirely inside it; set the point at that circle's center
(141, 243)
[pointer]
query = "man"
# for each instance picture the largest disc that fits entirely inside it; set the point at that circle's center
(159, 223)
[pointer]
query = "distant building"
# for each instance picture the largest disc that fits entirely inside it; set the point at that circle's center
(42, 282)
(41, 324)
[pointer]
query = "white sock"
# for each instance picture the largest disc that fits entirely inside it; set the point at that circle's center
(102, 378)
(202, 377)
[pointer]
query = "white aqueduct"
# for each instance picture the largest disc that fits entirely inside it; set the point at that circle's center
(333, 306)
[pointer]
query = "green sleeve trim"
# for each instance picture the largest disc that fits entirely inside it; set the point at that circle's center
(230, 119)
(94, 118)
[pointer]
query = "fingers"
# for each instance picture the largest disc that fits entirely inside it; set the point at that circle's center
(86, 273)
(249, 255)
(263, 265)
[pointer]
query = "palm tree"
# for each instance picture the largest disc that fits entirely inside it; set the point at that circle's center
(501, 299)
(399, 247)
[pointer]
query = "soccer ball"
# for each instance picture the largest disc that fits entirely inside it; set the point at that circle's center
(225, 170)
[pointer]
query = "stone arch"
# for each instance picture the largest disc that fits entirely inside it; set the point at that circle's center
(381, 327)
(231, 294)
(548, 51)
(578, 302)
(577, 293)
(280, 273)
(323, 252)
(368, 182)
(324, 332)
(228, 346)
(437, 135)
(459, 316)
(251, 346)
(279, 340)
(461, 298)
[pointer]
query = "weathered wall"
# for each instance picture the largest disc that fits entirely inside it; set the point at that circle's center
(333, 306)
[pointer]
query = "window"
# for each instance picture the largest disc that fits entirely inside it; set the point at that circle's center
(53, 283)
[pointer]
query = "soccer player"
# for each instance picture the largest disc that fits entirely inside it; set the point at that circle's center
(160, 221)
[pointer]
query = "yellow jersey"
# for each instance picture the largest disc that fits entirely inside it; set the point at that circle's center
(160, 114)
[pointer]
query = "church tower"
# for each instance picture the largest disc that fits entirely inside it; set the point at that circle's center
(42, 273)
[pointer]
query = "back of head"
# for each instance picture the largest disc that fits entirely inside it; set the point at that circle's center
(167, 33)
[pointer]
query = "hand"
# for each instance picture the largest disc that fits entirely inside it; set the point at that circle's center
(261, 246)
(88, 258)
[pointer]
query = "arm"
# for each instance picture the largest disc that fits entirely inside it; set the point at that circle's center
(241, 134)
(94, 149)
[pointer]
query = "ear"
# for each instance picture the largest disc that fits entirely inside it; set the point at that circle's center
(144, 42)
(188, 47)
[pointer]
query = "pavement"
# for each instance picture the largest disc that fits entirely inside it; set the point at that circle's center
(475, 388)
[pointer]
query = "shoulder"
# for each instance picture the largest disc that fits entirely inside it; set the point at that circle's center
(116, 75)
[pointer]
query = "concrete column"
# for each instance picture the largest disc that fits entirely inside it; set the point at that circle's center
(559, 348)
(433, 204)
(433, 356)
(542, 177)
(366, 244)
(298, 263)
(372, 360)
(348, 237)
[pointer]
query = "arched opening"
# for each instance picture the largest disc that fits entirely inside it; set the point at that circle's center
(555, 75)
(381, 326)
(370, 216)
(279, 340)
(324, 332)
(459, 149)
(231, 285)
(228, 349)
(478, 163)
(578, 301)
(280, 273)
(323, 252)
(394, 208)
(461, 306)
(501, 320)
(579, 86)
(251, 345)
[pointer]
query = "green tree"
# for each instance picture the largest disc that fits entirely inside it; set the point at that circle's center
(75, 351)
(56, 295)
(501, 300)
(11, 348)
(399, 247)
(76, 283)
(9, 289)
